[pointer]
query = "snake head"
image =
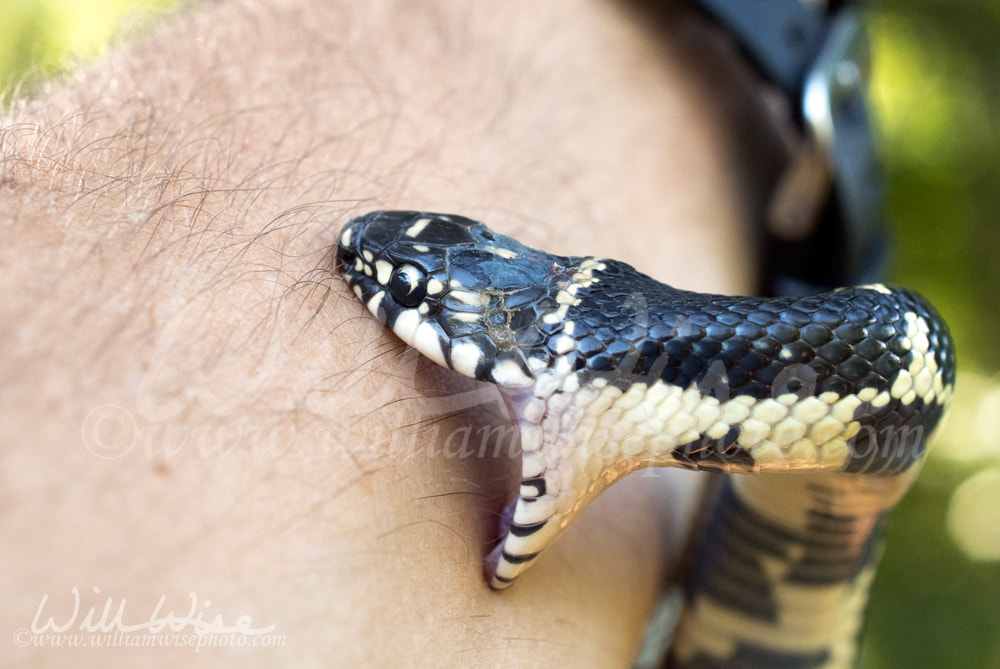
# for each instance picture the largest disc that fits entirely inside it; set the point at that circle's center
(465, 297)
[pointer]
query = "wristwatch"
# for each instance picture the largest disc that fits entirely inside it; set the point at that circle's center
(825, 226)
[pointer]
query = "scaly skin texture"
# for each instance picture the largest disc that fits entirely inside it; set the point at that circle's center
(607, 371)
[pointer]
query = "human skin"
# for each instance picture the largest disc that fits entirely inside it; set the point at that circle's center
(193, 403)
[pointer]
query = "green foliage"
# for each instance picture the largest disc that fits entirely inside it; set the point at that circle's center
(937, 89)
(41, 37)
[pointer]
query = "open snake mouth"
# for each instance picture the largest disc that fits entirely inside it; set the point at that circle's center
(604, 369)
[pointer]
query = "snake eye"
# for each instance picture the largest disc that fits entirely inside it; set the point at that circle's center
(408, 285)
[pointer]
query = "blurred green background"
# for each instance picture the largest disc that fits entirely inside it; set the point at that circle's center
(936, 90)
(936, 93)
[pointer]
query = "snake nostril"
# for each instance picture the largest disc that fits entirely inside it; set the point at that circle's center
(345, 259)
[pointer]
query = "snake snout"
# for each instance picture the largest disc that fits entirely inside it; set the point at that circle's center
(347, 246)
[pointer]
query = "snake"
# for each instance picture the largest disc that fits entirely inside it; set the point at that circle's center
(820, 406)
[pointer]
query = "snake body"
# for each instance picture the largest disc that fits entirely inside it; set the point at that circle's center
(827, 399)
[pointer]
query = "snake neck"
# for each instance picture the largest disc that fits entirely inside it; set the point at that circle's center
(640, 373)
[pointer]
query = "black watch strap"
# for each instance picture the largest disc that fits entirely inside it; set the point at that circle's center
(780, 37)
(816, 54)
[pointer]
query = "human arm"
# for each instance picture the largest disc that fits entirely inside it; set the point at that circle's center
(194, 404)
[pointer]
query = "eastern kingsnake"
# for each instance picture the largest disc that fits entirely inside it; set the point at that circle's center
(827, 399)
